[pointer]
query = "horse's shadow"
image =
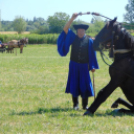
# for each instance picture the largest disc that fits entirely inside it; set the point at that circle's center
(43, 111)
(55, 111)
(113, 113)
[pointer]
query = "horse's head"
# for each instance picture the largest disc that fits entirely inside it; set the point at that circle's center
(105, 35)
(115, 37)
(24, 41)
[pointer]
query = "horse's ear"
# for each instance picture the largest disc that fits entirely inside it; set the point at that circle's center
(113, 21)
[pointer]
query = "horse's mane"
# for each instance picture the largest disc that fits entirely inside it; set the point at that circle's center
(122, 33)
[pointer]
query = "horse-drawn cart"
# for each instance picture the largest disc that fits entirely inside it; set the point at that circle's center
(9, 47)
(3, 47)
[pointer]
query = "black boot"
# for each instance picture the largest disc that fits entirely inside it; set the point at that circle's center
(85, 103)
(75, 103)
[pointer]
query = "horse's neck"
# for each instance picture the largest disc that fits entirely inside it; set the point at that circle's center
(120, 44)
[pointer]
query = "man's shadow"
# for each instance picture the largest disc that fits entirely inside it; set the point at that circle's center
(55, 111)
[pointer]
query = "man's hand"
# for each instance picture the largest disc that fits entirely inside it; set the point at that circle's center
(74, 16)
(93, 70)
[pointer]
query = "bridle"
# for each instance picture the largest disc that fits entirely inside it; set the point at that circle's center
(112, 54)
(22, 42)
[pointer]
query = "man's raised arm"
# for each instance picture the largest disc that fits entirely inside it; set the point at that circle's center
(67, 26)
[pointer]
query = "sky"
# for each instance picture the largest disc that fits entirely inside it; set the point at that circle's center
(44, 8)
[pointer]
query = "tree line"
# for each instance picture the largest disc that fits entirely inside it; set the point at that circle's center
(56, 22)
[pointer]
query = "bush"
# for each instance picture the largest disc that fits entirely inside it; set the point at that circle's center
(33, 38)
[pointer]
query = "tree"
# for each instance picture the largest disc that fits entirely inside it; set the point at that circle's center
(30, 28)
(0, 26)
(95, 27)
(34, 19)
(98, 25)
(19, 24)
(106, 20)
(92, 20)
(129, 16)
(7, 25)
(57, 22)
(43, 30)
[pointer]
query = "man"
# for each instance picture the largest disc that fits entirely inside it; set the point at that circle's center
(82, 59)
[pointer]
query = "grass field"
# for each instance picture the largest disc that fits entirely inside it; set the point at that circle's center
(32, 87)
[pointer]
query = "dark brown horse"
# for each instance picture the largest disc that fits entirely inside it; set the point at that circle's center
(16, 44)
(122, 69)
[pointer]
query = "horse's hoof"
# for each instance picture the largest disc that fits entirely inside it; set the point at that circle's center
(114, 105)
(87, 113)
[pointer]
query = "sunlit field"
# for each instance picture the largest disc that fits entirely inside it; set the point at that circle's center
(33, 99)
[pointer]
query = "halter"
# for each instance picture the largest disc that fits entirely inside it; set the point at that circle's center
(117, 51)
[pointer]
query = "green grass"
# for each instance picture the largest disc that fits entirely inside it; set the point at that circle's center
(32, 87)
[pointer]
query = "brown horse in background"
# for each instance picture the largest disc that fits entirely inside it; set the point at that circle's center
(16, 44)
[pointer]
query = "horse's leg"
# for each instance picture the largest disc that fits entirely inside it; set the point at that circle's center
(7, 50)
(117, 78)
(122, 110)
(123, 102)
(102, 96)
(10, 51)
(127, 88)
(21, 49)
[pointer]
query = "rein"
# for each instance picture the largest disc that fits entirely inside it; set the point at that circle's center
(102, 54)
(112, 52)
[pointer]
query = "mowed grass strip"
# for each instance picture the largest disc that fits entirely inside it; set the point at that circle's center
(13, 32)
(32, 87)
